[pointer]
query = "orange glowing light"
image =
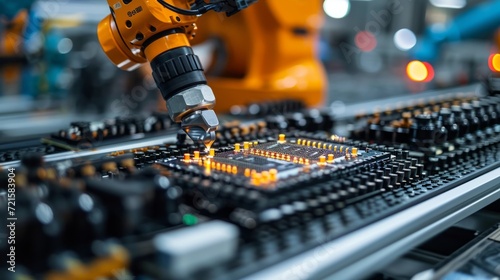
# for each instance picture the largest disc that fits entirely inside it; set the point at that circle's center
(494, 62)
(419, 71)
(430, 69)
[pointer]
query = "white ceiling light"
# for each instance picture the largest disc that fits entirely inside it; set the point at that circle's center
(336, 8)
(405, 39)
(451, 4)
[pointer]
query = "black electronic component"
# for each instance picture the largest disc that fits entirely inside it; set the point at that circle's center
(447, 120)
(87, 135)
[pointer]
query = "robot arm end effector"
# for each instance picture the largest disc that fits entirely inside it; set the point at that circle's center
(158, 32)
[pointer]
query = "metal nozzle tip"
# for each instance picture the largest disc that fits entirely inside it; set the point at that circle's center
(209, 140)
(200, 127)
(200, 136)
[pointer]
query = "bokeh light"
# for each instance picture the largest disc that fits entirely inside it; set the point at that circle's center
(365, 41)
(419, 71)
(336, 8)
(405, 39)
(450, 4)
(494, 62)
(370, 62)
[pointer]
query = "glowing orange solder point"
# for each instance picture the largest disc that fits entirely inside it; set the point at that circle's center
(246, 146)
(247, 172)
(324, 146)
(256, 179)
(335, 148)
(355, 152)
(330, 147)
(299, 141)
(322, 160)
(281, 139)
(223, 167)
(301, 161)
(196, 155)
(288, 158)
(237, 147)
(265, 177)
(314, 144)
(187, 157)
(255, 143)
(307, 162)
(341, 148)
(217, 166)
(308, 143)
(331, 158)
(273, 175)
(211, 153)
(234, 170)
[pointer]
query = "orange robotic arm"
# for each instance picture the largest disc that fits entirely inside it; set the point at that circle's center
(268, 53)
(158, 31)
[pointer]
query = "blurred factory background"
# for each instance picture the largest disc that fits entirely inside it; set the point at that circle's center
(367, 46)
(52, 69)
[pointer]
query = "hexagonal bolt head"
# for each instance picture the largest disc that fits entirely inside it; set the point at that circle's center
(205, 119)
(190, 100)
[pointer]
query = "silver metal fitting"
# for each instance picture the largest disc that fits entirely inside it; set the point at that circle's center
(186, 102)
(200, 126)
(192, 108)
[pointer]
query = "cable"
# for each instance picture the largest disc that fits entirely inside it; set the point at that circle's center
(181, 11)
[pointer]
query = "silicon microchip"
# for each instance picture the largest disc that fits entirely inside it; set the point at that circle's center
(302, 151)
(253, 162)
(267, 164)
